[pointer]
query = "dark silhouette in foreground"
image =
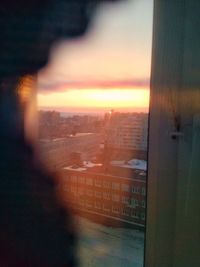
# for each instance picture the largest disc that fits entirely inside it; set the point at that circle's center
(35, 230)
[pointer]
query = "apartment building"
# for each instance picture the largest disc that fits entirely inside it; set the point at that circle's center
(115, 199)
(126, 130)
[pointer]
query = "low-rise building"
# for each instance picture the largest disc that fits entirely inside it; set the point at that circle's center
(111, 198)
(57, 153)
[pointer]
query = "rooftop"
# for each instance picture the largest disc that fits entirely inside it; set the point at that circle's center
(131, 164)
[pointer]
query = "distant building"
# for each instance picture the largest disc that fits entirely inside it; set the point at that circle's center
(126, 131)
(59, 152)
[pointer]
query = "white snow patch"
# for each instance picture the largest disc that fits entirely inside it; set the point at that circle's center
(132, 164)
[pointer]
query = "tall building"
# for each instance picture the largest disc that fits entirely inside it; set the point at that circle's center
(126, 131)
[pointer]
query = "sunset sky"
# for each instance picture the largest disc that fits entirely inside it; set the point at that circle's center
(108, 68)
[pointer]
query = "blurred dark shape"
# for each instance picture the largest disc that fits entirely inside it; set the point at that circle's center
(29, 28)
(35, 230)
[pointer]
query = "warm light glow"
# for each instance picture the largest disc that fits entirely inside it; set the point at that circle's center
(96, 98)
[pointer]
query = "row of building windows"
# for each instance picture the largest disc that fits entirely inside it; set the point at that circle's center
(108, 196)
(114, 209)
(106, 184)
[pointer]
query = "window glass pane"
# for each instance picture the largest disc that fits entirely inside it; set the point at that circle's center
(93, 100)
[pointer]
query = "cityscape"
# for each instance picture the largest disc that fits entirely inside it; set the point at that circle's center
(102, 161)
(93, 101)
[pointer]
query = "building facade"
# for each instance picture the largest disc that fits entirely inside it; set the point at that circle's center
(126, 131)
(111, 198)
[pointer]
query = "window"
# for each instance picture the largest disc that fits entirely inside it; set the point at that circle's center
(106, 184)
(136, 189)
(143, 216)
(98, 183)
(98, 194)
(106, 195)
(89, 181)
(125, 200)
(81, 180)
(88, 204)
(82, 202)
(125, 211)
(134, 202)
(143, 191)
(106, 207)
(116, 209)
(175, 68)
(135, 214)
(74, 179)
(102, 148)
(66, 188)
(89, 193)
(143, 204)
(98, 205)
(125, 187)
(73, 189)
(115, 186)
(116, 197)
(81, 191)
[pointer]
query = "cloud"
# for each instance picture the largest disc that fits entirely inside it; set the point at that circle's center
(61, 86)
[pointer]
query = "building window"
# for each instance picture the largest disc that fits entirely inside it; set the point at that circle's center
(81, 180)
(89, 181)
(126, 200)
(143, 191)
(89, 193)
(125, 212)
(106, 184)
(134, 202)
(98, 194)
(116, 186)
(106, 207)
(74, 179)
(73, 189)
(116, 197)
(81, 202)
(97, 205)
(81, 191)
(115, 209)
(125, 187)
(98, 182)
(143, 216)
(136, 189)
(88, 204)
(135, 214)
(106, 195)
(143, 204)
(66, 188)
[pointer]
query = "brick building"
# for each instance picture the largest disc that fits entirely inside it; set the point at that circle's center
(113, 199)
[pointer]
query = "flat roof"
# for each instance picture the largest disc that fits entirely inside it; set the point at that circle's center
(131, 164)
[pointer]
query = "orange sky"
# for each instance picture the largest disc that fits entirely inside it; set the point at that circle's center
(116, 48)
(96, 98)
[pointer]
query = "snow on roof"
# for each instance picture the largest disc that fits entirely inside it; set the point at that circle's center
(132, 164)
(80, 134)
(75, 168)
(89, 164)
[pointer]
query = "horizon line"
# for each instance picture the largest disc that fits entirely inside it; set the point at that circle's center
(94, 110)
